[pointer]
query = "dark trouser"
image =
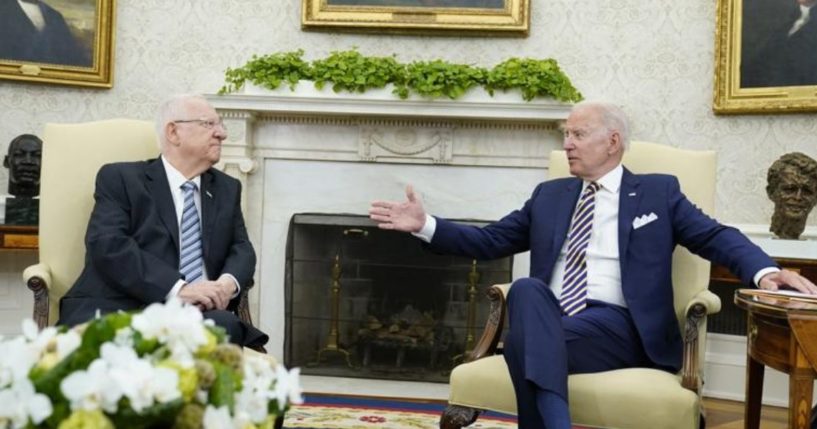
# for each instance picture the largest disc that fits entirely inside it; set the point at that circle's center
(543, 346)
(239, 332)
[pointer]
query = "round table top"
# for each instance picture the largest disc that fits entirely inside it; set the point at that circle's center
(774, 304)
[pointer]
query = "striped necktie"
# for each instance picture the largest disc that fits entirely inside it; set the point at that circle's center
(574, 283)
(190, 264)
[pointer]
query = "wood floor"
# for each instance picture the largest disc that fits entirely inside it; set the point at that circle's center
(723, 414)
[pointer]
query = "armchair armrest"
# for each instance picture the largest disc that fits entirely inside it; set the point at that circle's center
(489, 340)
(701, 305)
(38, 279)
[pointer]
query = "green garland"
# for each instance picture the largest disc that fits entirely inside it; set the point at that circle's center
(353, 72)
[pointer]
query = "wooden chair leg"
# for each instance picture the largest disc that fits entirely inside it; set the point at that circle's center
(455, 417)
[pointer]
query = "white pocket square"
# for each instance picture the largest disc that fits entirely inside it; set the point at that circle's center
(643, 220)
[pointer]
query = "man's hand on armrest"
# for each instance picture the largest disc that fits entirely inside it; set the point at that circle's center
(785, 278)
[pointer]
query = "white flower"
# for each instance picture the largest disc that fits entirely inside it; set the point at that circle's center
(16, 359)
(21, 402)
(92, 389)
(119, 372)
(38, 340)
(175, 324)
(67, 343)
(251, 405)
(217, 418)
(142, 383)
(124, 337)
(288, 386)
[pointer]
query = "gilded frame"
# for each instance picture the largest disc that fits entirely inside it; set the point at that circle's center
(747, 78)
(89, 60)
(468, 17)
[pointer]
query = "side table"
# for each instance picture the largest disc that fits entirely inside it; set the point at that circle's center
(18, 237)
(781, 332)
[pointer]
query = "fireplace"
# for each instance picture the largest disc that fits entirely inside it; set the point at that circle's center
(308, 152)
(365, 302)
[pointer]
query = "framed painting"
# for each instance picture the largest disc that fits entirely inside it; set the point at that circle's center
(460, 17)
(67, 42)
(765, 60)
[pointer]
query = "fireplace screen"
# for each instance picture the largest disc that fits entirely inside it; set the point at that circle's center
(365, 302)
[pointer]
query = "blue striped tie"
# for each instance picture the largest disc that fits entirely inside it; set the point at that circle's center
(574, 283)
(190, 264)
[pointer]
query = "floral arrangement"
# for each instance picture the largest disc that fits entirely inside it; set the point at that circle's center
(164, 367)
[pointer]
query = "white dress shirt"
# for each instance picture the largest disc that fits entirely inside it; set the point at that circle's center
(603, 264)
(34, 13)
(176, 179)
(603, 268)
(800, 22)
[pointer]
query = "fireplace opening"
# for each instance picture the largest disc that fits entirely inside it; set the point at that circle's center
(371, 303)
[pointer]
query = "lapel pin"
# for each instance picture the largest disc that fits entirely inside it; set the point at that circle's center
(632, 194)
(208, 194)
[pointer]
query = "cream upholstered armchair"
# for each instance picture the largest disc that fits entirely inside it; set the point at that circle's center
(626, 398)
(72, 155)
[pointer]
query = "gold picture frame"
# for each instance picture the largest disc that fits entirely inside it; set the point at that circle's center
(66, 42)
(759, 64)
(456, 17)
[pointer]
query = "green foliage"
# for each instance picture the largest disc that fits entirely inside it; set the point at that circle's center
(351, 71)
(156, 416)
(440, 79)
(268, 71)
(226, 383)
(535, 78)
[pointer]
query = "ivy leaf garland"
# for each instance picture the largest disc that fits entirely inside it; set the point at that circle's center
(353, 72)
(269, 71)
(535, 78)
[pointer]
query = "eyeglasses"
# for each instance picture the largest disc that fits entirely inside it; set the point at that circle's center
(206, 123)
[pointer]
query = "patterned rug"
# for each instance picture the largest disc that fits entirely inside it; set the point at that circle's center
(357, 412)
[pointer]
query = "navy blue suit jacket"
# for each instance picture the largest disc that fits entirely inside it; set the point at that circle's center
(132, 242)
(541, 226)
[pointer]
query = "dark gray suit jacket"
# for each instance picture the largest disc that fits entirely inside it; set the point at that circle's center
(132, 242)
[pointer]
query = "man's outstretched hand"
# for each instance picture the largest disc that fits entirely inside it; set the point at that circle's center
(787, 279)
(407, 216)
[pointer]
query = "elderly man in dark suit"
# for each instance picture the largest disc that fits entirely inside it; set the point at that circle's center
(32, 31)
(169, 227)
(599, 295)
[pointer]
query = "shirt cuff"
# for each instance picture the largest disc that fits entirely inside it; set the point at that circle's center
(763, 272)
(237, 286)
(175, 290)
(426, 233)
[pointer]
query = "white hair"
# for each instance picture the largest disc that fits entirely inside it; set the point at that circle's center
(172, 109)
(612, 116)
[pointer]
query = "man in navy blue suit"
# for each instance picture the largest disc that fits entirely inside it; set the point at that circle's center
(599, 295)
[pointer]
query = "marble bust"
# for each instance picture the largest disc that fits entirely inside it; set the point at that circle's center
(792, 186)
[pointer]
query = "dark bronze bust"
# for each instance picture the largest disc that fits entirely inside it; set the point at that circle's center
(23, 161)
(792, 186)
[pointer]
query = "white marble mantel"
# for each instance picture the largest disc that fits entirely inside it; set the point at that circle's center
(320, 151)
